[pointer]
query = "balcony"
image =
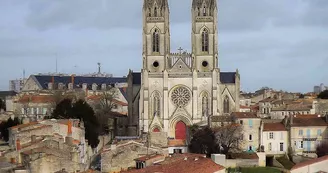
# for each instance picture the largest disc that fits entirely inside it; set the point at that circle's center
(155, 19)
(311, 138)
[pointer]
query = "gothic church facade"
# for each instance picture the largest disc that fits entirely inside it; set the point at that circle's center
(181, 89)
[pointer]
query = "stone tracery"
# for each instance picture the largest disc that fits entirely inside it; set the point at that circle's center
(180, 96)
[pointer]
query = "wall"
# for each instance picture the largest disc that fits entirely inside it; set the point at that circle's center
(316, 167)
(232, 163)
(254, 131)
(296, 138)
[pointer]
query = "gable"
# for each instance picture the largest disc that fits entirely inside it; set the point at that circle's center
(31, 84)
(180, 66)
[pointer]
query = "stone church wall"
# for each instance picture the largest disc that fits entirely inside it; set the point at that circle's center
(158, 139)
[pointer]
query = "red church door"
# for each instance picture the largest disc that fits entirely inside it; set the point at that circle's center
(156, 130)
(180, 130)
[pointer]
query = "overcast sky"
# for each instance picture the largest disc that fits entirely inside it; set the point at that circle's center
(276, 43)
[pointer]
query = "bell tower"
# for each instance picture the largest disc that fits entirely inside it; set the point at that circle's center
(204, 35)
(156, 35)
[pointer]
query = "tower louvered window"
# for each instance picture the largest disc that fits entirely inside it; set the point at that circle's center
(155, 12)
(156, 41)
(149, 12)
(205, 40)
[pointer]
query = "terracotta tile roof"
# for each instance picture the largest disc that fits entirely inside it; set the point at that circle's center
(98, 97)
(149, 157)
(308, 120)
(244, 107)
(310, 162)
(36, 99)
(176, 142)
(244, 114)
(76, 142)
(182, 164)
(37, 128)
(25, 125)
(255, 107)
(273, 127)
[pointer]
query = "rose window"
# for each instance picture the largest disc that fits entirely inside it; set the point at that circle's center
(180, 96)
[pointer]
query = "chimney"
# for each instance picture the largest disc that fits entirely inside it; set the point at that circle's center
(53, 79)
(72, 79)
(69, 138)
(18, 145)
(291, 119)
(33, 138)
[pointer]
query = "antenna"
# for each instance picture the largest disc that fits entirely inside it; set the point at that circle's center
(99, 67)
(56, 63)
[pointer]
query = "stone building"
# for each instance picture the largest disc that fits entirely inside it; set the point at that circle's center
(182, 89)
(121, 156)
(251, 125)
(49, 146)
(306, 132)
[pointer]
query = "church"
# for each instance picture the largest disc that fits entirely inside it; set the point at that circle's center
(177, 90)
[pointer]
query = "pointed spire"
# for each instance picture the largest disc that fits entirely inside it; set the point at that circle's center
(160, 3)
(198, 3)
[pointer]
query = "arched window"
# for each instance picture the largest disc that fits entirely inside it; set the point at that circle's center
(205, 104)
(155, 12)
(198, 11)
(205, 40)
(156, 104)
(204, 11)
(149, 12)
(156, 41)
(226, 105)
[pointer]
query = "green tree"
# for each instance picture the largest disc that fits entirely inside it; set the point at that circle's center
(5, 125)
(203, 141)
(2, 104)
(83, 111)
(323, 94)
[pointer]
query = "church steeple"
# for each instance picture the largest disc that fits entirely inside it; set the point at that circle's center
(156, 35)
(204, 35)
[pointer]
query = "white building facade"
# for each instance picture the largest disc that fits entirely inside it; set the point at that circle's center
(182, 89)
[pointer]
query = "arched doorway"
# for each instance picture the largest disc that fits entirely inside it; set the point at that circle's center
(156, 130)
(180, 130)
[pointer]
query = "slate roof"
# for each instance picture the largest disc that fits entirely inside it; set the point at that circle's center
(136, 78)
(78, 80)
(228, 77)
(4, 94)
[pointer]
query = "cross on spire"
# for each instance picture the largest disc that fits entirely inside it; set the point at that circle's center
(180, 49)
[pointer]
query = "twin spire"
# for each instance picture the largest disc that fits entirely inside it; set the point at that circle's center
(165, 4)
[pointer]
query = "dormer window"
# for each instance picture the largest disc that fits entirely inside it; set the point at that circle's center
(94, 87)
(155, 12)
(204, 11)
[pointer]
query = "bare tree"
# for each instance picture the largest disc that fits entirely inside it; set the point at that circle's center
(104, 107)
(228, 137)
